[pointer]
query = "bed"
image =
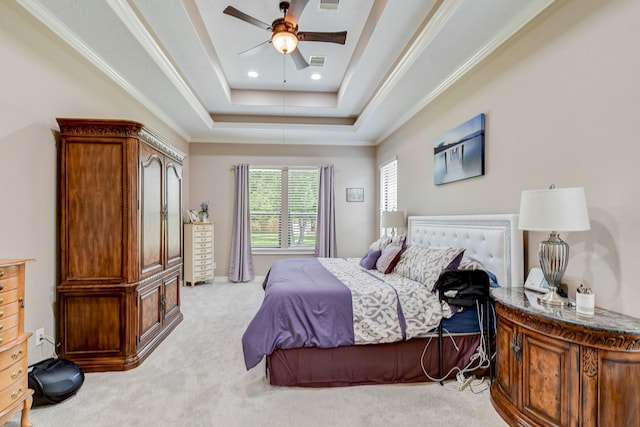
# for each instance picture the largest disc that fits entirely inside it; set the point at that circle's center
(322, 325)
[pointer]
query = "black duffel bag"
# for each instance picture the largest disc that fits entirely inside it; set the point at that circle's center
(463, 287)
(54, 380)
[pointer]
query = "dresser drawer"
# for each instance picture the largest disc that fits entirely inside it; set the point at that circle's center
(8, 283)
(199, 269)
(200, 227)
(7, 310)
(10, 271)
(9, 329)
(14, 392)
(9, 297)
(14, 353)
(200, 234)
(13, 373)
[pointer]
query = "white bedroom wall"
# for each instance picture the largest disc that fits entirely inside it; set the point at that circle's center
(39, 81)
(561, 101)
(212, 179)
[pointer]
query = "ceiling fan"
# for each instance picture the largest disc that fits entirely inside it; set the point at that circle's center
(285, 35)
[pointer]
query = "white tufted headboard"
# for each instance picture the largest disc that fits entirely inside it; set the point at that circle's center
(494, 240)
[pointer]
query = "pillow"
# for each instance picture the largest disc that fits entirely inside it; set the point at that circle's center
(424, 264)
(369, 259)
(388, 258)
(381, 243)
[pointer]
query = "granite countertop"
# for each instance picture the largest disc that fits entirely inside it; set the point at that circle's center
(602, 319)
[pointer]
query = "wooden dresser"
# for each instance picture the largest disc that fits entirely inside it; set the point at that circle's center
(556, 367)
(15, 394)
(199, 265)
(120, 193)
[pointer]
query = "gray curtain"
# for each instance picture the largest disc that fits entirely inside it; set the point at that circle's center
(326, 222)
(240, 259)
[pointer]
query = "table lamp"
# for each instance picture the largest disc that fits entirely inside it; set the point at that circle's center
(554, 210)
(393, 220)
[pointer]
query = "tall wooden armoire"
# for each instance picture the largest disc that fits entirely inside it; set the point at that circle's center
(120, 192)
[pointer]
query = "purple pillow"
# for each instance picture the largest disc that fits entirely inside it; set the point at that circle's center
(389, 258)
(369, 259)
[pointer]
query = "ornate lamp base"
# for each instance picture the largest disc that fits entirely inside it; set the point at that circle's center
(553, 253)
(552, 298)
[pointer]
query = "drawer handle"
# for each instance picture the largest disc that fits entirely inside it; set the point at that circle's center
(1, 313)
(16, 375)
(21, 301)
(1, 300)
(1, 273)
(17, 354)
(1, 326)
(17, 393)
(1, 340)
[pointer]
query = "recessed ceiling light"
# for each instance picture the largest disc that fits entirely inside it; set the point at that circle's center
(252, 74)
(316, 76)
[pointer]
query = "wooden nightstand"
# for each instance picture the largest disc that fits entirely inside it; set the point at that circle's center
(557, 367)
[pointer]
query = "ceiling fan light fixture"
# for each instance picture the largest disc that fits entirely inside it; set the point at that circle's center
(284, 41)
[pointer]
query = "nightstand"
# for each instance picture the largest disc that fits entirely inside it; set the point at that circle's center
(558, 367)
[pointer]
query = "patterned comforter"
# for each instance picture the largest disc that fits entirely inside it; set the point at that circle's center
(332, 302)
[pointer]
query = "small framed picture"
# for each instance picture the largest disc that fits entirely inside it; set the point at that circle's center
(193, 215)
(355, 194)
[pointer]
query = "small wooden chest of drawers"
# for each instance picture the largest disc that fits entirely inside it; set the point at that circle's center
(15, 394)
(199, 266)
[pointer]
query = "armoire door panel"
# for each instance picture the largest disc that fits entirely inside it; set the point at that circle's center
(95, 203)
(173, 204)
(152, 210)
(149, 311)
(172, 296)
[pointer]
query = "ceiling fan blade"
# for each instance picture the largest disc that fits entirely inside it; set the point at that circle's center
(339, 37)
(295, 10)
(253, 50)
(232, 11)
(298, 59)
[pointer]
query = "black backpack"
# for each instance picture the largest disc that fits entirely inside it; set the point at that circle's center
(463, 287)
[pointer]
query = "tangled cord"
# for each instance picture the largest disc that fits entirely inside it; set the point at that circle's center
(481, 357)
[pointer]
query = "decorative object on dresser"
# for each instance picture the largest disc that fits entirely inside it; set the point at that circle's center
(554, 210)
(120, 192)
(199, 266)
(204, 212)
(558, 367)
(15, 395)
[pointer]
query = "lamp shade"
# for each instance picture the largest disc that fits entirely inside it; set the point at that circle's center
(284, 41)
(392, 219)
(554, 209)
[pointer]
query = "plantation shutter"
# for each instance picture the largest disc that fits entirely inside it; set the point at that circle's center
(388, 188)
(302, 207)
(265, 204)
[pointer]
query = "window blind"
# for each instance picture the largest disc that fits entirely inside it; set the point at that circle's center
(388, 188)
(283, 200)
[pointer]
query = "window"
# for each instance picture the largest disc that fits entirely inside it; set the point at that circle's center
(280, 196)
(388, 188)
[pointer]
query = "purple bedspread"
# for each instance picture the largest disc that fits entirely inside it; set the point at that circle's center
(304, 306)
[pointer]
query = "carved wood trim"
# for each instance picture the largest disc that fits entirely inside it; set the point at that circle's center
(118, 128)
(589, 361)
(590, 337)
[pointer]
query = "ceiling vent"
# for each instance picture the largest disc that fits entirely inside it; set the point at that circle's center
(317, 61)
(329, 4)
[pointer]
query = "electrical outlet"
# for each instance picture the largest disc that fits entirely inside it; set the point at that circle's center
(39, 336)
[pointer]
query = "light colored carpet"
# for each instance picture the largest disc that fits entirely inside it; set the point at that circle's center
(196, 377)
